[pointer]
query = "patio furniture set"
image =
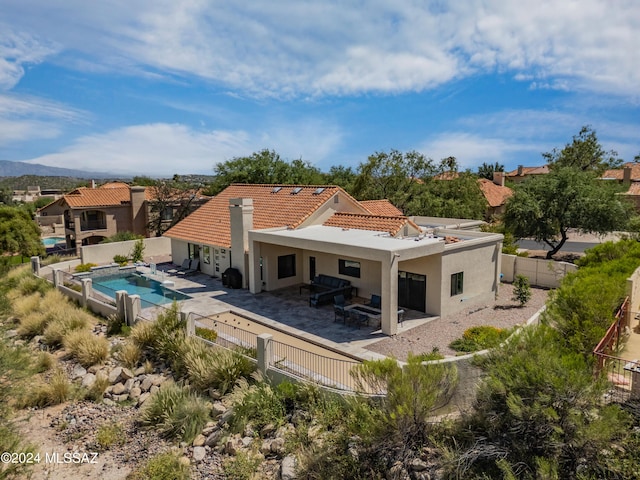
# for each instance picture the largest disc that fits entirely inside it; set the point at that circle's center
(189, 267)
(360, 314)
(324, 287)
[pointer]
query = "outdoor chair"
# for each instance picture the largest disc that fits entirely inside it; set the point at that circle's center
(338, 309)
(185, 266)
(358, 318)
(375, 302)
(195, 263)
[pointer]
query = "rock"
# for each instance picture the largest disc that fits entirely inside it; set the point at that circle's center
(265, 448)
(230, 447)
(249, 431)
(288, 468)
(135, 392)
(215, 394)
(214, 438)
(199, 453)
(199, 441)
(246, 441)
(418, 465)
(11, 333)
(88, 380)
(118, 389)
(146, 384)
(141, 371)
(114, 375)
(94, 368)
(78, 371)
(143, 398)
(226, 416)
(277, 445)
(267, 430)
(157, 380)
(106, 401)
(397, 472)
(154, 389)
(121, 398)
(128, 385)
(217, 410)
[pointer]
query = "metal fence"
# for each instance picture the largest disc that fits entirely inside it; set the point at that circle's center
(227, 336)
(610, 343)
(621, 374)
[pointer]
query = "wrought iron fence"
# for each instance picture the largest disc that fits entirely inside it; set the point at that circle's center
(610, 343)
(623, 377)
(228, 336)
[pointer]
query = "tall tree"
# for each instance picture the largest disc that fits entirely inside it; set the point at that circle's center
(341, 176)
(265, 166)
(459, 197)
(19, 234)
(172, 200)
(547, 206)
(583, 153)
(486, 170)
(394, 175)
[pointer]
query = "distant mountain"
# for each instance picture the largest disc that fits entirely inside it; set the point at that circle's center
(17, 169)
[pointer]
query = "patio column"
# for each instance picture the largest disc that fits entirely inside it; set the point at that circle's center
(389, 294)
(255, 282)
(87, 288)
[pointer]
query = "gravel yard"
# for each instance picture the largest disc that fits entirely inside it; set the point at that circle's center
(438, 333)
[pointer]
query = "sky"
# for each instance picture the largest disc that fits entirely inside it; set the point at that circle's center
(158, 87)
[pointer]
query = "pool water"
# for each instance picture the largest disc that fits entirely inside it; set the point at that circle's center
(151, 291)
(51, 241)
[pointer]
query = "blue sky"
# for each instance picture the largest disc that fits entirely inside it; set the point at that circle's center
(175, 86)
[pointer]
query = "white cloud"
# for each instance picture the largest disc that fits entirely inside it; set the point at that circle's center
(165, 149)
(295, 47)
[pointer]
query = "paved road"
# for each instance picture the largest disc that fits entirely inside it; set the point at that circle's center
(569, 246)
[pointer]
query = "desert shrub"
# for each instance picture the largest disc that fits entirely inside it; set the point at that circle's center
(143, 334)
(129, 355)
(24, 305)
(12, 441)
(176, 412)
(55, 390)
(137, 253)
(207, 334)
(85, 267)
(32, 324)
(121, 260)
(61, 326)
(44, 361)
(110, 434)
(86, 348)
(95, 393)
(50, 260)
(29, 284)
(434, 354)
(258, 404)
(521, 290)
(164, 466)
(241, 467)
(122, 237)
(479, 338)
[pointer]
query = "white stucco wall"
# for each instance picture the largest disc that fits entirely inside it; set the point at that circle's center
(431, 267)
(104, 252)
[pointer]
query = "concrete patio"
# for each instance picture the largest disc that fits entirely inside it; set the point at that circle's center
(287, 309)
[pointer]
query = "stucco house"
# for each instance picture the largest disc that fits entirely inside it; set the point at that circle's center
(283, 235)
(92, 214)
(522, 173)
(628, 175)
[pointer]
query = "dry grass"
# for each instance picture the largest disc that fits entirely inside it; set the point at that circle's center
(32, 324)
(143, 334)
(55, 390)
(61, 326)
(96, 391)
(129, 355)
(24, 305)
(85, 347)
(44, 362)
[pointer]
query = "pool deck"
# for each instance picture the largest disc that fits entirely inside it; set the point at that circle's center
(285, 309)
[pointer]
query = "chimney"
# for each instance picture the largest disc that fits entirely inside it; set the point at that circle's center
(241, 216)
(498, 178)
(138, 213)
(626, 175)
(92, 184)
(520, 170)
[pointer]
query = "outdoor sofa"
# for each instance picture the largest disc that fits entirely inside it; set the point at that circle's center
(325, 287)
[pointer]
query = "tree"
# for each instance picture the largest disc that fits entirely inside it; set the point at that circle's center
(486, 170)
(264, 166)
(584, 153)
(521, 290)
(172, 200)
(459, 197)
(341, 176)
(395, 176)
(19, 233)
(547, 206)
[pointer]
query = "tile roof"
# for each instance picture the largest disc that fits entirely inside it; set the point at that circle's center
(496, 195)
(634, 189)
(544, 169)
(618, 173)
(211, 223)
(450, 175)
(376, 223)
(381, 207)
(109, 196)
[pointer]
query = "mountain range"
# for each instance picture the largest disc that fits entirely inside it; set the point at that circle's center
(17, 169)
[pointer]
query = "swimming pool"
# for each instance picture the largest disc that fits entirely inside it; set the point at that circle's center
(51, 241)
(151, 291)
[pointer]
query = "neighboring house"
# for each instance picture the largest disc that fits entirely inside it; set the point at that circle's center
(283, 235)
(33, 193)
(495, 193)
(381, 207)
(522, 173)
(92, 214)
(629, 175)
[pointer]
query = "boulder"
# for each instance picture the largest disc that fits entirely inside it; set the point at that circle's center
(135, 392)
(418, 465)
(214, 438)
(118, 389)
(114, 375)
(288, 468)
(146, 384)
(199, 441)
(217, 410)
(277, 445)
(199, 453)
(143, 398)
(154, 389)
(128, 385)
(88, 380)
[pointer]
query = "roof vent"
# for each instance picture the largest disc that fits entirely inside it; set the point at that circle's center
(276, 189)
(318, 191)
(296, 190)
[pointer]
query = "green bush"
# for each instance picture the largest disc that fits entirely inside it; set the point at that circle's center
(521, 290)
(84, 267)
(164, 466)
(479, 338)
(137, 254)
(176, 412)
(258, 404)
(121, 260)
(207, 334)
(122, 237)
(110, 434)
(241, 467)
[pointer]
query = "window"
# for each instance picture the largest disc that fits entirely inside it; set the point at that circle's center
(206, 254)
(457, 282)
(287, 266)
(194, 250)
(349, 267)
(167, 213)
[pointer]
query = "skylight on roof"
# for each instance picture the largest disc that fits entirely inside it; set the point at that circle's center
(276, 189)
(296, 190)
(318, 191)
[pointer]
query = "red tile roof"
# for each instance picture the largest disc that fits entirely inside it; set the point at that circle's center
(376, 223)
(634, 189)
(106, 196)
(618, 173)
(381, 207)
(496, 195)
(211, 224)
(544, 169)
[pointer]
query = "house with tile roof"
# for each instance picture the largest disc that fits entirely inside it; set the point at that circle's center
(629, 175)
(279, 236)
(522, 173)
(92, 214)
